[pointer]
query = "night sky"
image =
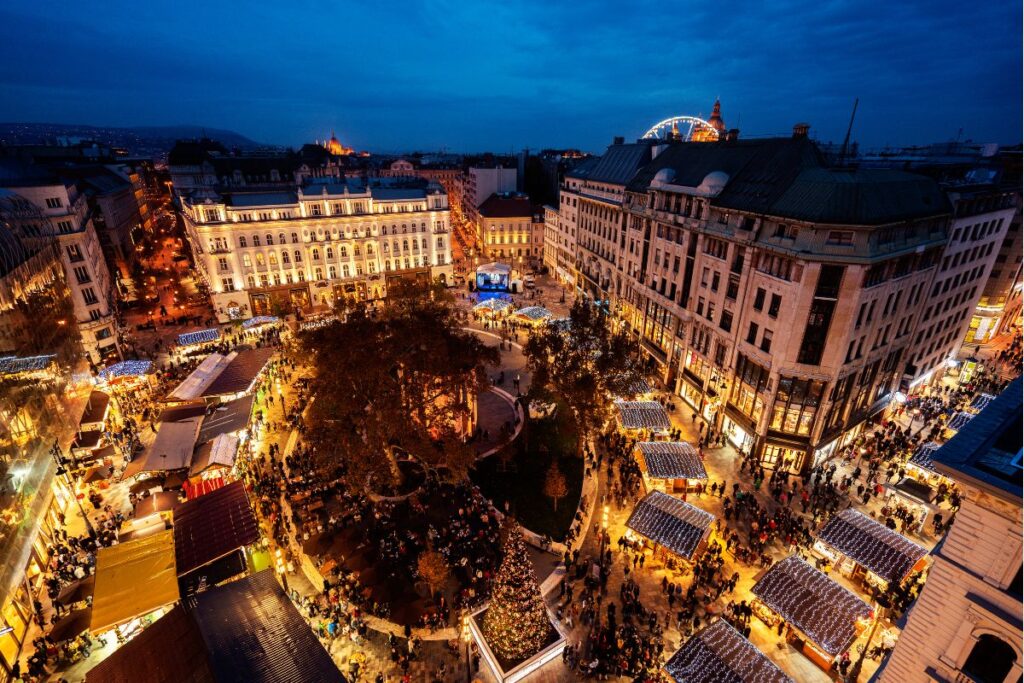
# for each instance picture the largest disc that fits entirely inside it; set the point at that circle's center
(476, 75)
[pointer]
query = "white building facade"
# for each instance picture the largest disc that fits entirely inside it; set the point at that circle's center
(274, 252)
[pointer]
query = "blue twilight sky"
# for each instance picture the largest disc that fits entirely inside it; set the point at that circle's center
(472, 75)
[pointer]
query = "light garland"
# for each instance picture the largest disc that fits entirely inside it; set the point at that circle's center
(126, 368)
(981, 402)
(642, 415)
(959, 421)
(670, 522)
(638, 387)
(318, 323)
(719, 654)
(12, 365)
(260, 320)
(871, 545)
(199, 337)
(671, 460)
(534, 313)
(823, 610)
(923, 456)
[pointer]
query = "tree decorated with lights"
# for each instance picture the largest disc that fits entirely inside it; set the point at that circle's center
(516, 625)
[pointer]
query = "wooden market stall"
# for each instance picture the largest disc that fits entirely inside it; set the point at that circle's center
(717, 654)
(867, 551)
(635, 417)
(670, 525)
(823, 618)
(670, 466)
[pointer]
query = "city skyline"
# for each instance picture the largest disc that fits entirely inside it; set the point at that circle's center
(543, 77)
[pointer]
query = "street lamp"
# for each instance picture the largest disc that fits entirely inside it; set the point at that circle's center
(467, 638)
(604, 530)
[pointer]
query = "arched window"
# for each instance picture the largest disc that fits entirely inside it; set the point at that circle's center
(270, 239)
(405, 245)
(355, 250)
(295, 238)
(990, 660)
(332, 272)
(285, 259)
(259, 259)
(298, 256)
(251, 282)
(273, 258)
(281, 239)
(319, 273)
(255, 240)
(330, 252)
(241, 241)
(344, 270)
(369, 250)
(315, 254)
(423, 243)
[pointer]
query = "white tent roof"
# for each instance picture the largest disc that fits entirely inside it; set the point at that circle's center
(494, 268)
(219, 452)
(199, 379)
(171, 450)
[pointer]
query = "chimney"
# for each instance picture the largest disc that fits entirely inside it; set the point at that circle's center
(618, 140)
(800, 130)
(732, 135)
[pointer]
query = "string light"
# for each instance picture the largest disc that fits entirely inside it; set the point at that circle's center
(719, 653)
(823, 610)
(671, 460)
(959, 421)
(534, 313)
(923, 455)
(126, 368)
(670, 522)
(642, 415)
(12, 365)
(199, 337)
(981, 402)
(260, 320)
(871, 545)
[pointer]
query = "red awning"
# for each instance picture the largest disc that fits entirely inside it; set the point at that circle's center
(195, 488)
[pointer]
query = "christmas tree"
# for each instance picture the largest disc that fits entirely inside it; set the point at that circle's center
(516, 625)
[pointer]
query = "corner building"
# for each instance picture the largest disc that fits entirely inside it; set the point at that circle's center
(777, 296)
(276, 251)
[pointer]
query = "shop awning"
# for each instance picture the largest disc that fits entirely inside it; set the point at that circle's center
(642, 415)
(133, 579)
(871, 545)
(255, 634)
(220, 452)
(719, 654)
(171, 450)
(212, 526)
(819, 607)
(670, 522)
(163, 501)
(671, 460)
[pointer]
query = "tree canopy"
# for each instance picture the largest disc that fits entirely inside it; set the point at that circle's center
(584, 362)
(403, 379)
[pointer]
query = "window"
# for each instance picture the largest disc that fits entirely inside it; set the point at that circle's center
(74, 253)
(775, 305)
(246, 261)
(270, 240)
(711, 311)
(990, 660)
(796, 404)
(840, 237)
(227, 284)
(726, 322)
(752, 334)
(766, 341)
(255, 240)
(64, 227)
(776, 266)
(103, 334)
(53, 202)
(759, 299)
(89, 296)
(700, 305)
(295, 238)
(715, 281)
(716, 247)
(222, 263)
(241, 241)
(211, 215)
(259, 259)
(316, 210)
(750, 380)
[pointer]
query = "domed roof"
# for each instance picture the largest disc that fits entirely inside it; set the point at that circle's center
(664, 177)
(713, 183)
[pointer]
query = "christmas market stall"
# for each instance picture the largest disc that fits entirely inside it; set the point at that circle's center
(96, 410)
(670, 466)
(247, 630)
(127, 372)
(866, 551)
(637, 417)
(532, 315)
(639, 390)
(133, 579)
(823, 619)
(199, 337)
(719, 654)
(493, 306)
(211, 534)
(170, 451)
(670, 525)
(259, 321)
(223, 377)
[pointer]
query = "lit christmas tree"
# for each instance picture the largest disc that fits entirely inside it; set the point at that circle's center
(516, 625)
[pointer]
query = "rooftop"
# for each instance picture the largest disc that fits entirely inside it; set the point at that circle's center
(719, 654)
(671, 460)
(508, 205)
(670, 522)
(871, 545)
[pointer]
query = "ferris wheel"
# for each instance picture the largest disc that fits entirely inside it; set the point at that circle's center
(686, 125)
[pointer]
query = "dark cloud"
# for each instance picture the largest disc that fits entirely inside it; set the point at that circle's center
(474, 75)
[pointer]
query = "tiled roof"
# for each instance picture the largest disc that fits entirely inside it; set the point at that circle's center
(719, 654)
(826, 612)
(211, 526)
(670, 522)
(871, 545)
(672, 460)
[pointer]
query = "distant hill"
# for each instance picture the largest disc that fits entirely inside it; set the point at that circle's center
(137, 140)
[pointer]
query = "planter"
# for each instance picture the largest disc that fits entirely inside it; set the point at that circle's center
(516, 671)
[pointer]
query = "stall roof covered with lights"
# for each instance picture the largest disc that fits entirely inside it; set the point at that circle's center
(125, 369)
(981, 402)
(642, 415)
(813, 603)
(671, 523)
(923, 454)
(959, 421)
(199, 337)
(534, 313)
(719, 654)
(494, 304)
(872, 545)
(671, 460)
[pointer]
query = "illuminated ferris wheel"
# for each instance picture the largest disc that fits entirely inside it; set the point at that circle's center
(682, 128)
